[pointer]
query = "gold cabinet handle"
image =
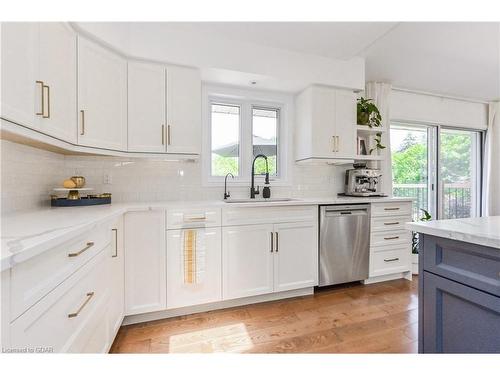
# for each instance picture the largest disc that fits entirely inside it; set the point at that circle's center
(42, 98)
(277, 242)
(48, 101)
(392, 223)
(163, 134)
(333, 143)
(89, 245)
(272, 242)
(391, 260)
(338, 143)
(195, 218)
(82, 112)
(116, 243)
(75, 314)
(168, 135)
(391, 208)
(391, 238)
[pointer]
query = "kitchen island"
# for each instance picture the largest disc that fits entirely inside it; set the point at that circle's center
(459, 285)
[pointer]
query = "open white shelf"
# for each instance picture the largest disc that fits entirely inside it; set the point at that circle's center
(369, 157)
(367, 130)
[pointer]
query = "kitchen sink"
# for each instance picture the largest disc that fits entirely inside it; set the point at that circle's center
(248, 200)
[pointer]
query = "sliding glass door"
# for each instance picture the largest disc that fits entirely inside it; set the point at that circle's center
(459, 167)
(439, 167)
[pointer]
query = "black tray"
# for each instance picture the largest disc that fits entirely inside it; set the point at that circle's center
(64, 202)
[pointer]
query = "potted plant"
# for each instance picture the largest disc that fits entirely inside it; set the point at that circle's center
(368, 113)
(414, 242)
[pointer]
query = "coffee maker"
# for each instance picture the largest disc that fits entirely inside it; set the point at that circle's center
(362, 182)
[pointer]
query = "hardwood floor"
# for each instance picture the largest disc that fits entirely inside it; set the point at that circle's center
(377, 318)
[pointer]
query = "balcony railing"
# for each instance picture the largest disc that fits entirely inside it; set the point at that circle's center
(456, 199)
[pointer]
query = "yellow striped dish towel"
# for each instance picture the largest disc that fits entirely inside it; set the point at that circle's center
(190, 257)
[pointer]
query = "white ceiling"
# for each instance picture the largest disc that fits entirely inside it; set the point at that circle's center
(460, 59)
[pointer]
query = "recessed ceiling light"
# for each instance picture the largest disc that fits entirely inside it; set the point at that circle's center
(253, 82)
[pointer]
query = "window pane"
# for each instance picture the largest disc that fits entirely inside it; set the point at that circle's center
(225, 127)
(409, 150)
(458, 173)
(265, 139)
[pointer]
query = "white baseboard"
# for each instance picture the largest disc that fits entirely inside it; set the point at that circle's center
(140, 318)
(394, 276)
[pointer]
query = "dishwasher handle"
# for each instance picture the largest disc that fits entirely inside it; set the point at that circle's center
(348, 212)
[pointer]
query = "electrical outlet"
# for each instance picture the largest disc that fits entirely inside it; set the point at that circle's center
(107, 179)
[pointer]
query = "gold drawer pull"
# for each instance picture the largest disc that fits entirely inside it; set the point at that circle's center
(75, 314)
(391, 208)
(169, 135)
(195, 218)
(391, 260)
(48, 101)
(391, 238)
(89, 245)
(115, 231)
(392, 223)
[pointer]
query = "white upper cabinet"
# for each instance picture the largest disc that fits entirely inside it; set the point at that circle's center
(146, 107)
(326, 124)
(183, 110)
(102, 97)
(58, 72)
(21, 95)
(39, 77)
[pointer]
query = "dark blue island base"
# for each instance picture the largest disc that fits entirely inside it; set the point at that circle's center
(459, 297)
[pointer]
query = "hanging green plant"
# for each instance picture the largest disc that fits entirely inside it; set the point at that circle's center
(378, 143)
(368, 113)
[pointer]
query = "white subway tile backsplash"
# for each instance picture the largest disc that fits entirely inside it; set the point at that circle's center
(29, 175)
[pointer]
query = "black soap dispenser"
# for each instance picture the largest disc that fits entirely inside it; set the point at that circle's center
(266, 191)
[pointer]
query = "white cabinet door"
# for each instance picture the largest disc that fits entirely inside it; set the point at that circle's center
(323, 122)
(183, 110)
(58, 72)
(145, 262)
(247, 261)
(116, 258)
(345, 123)
(296, 256)
(146, 107)
(20, 93)
(102, 97)
(205, 285)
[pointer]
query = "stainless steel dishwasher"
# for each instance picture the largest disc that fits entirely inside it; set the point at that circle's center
(344, 243)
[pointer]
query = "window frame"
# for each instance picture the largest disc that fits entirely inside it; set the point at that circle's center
(247, 99)
(278, 136)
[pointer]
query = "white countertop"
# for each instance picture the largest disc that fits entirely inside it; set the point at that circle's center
(27, 234)
(481, 230)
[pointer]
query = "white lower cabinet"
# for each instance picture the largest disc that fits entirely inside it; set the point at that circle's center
(247, 261)
(204, 285)
(266, 258)
(116, 267)
(296, 256)
(145, 261)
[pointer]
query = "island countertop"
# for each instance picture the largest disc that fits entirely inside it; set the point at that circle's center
(483, 231)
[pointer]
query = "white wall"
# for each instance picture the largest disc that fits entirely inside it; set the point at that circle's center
(408, 106)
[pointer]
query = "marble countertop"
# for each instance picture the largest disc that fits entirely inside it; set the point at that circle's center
(27, 234)
(481, 230)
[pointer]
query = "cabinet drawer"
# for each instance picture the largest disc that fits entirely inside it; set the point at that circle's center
(61, 319)
(470, 264)
(269, 215)
(389, 261)
(193, 217)
(392, 223)
(389, 238)
(391, 209)
(34, 278)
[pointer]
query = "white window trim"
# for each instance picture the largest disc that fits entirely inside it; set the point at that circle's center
(246, 98)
